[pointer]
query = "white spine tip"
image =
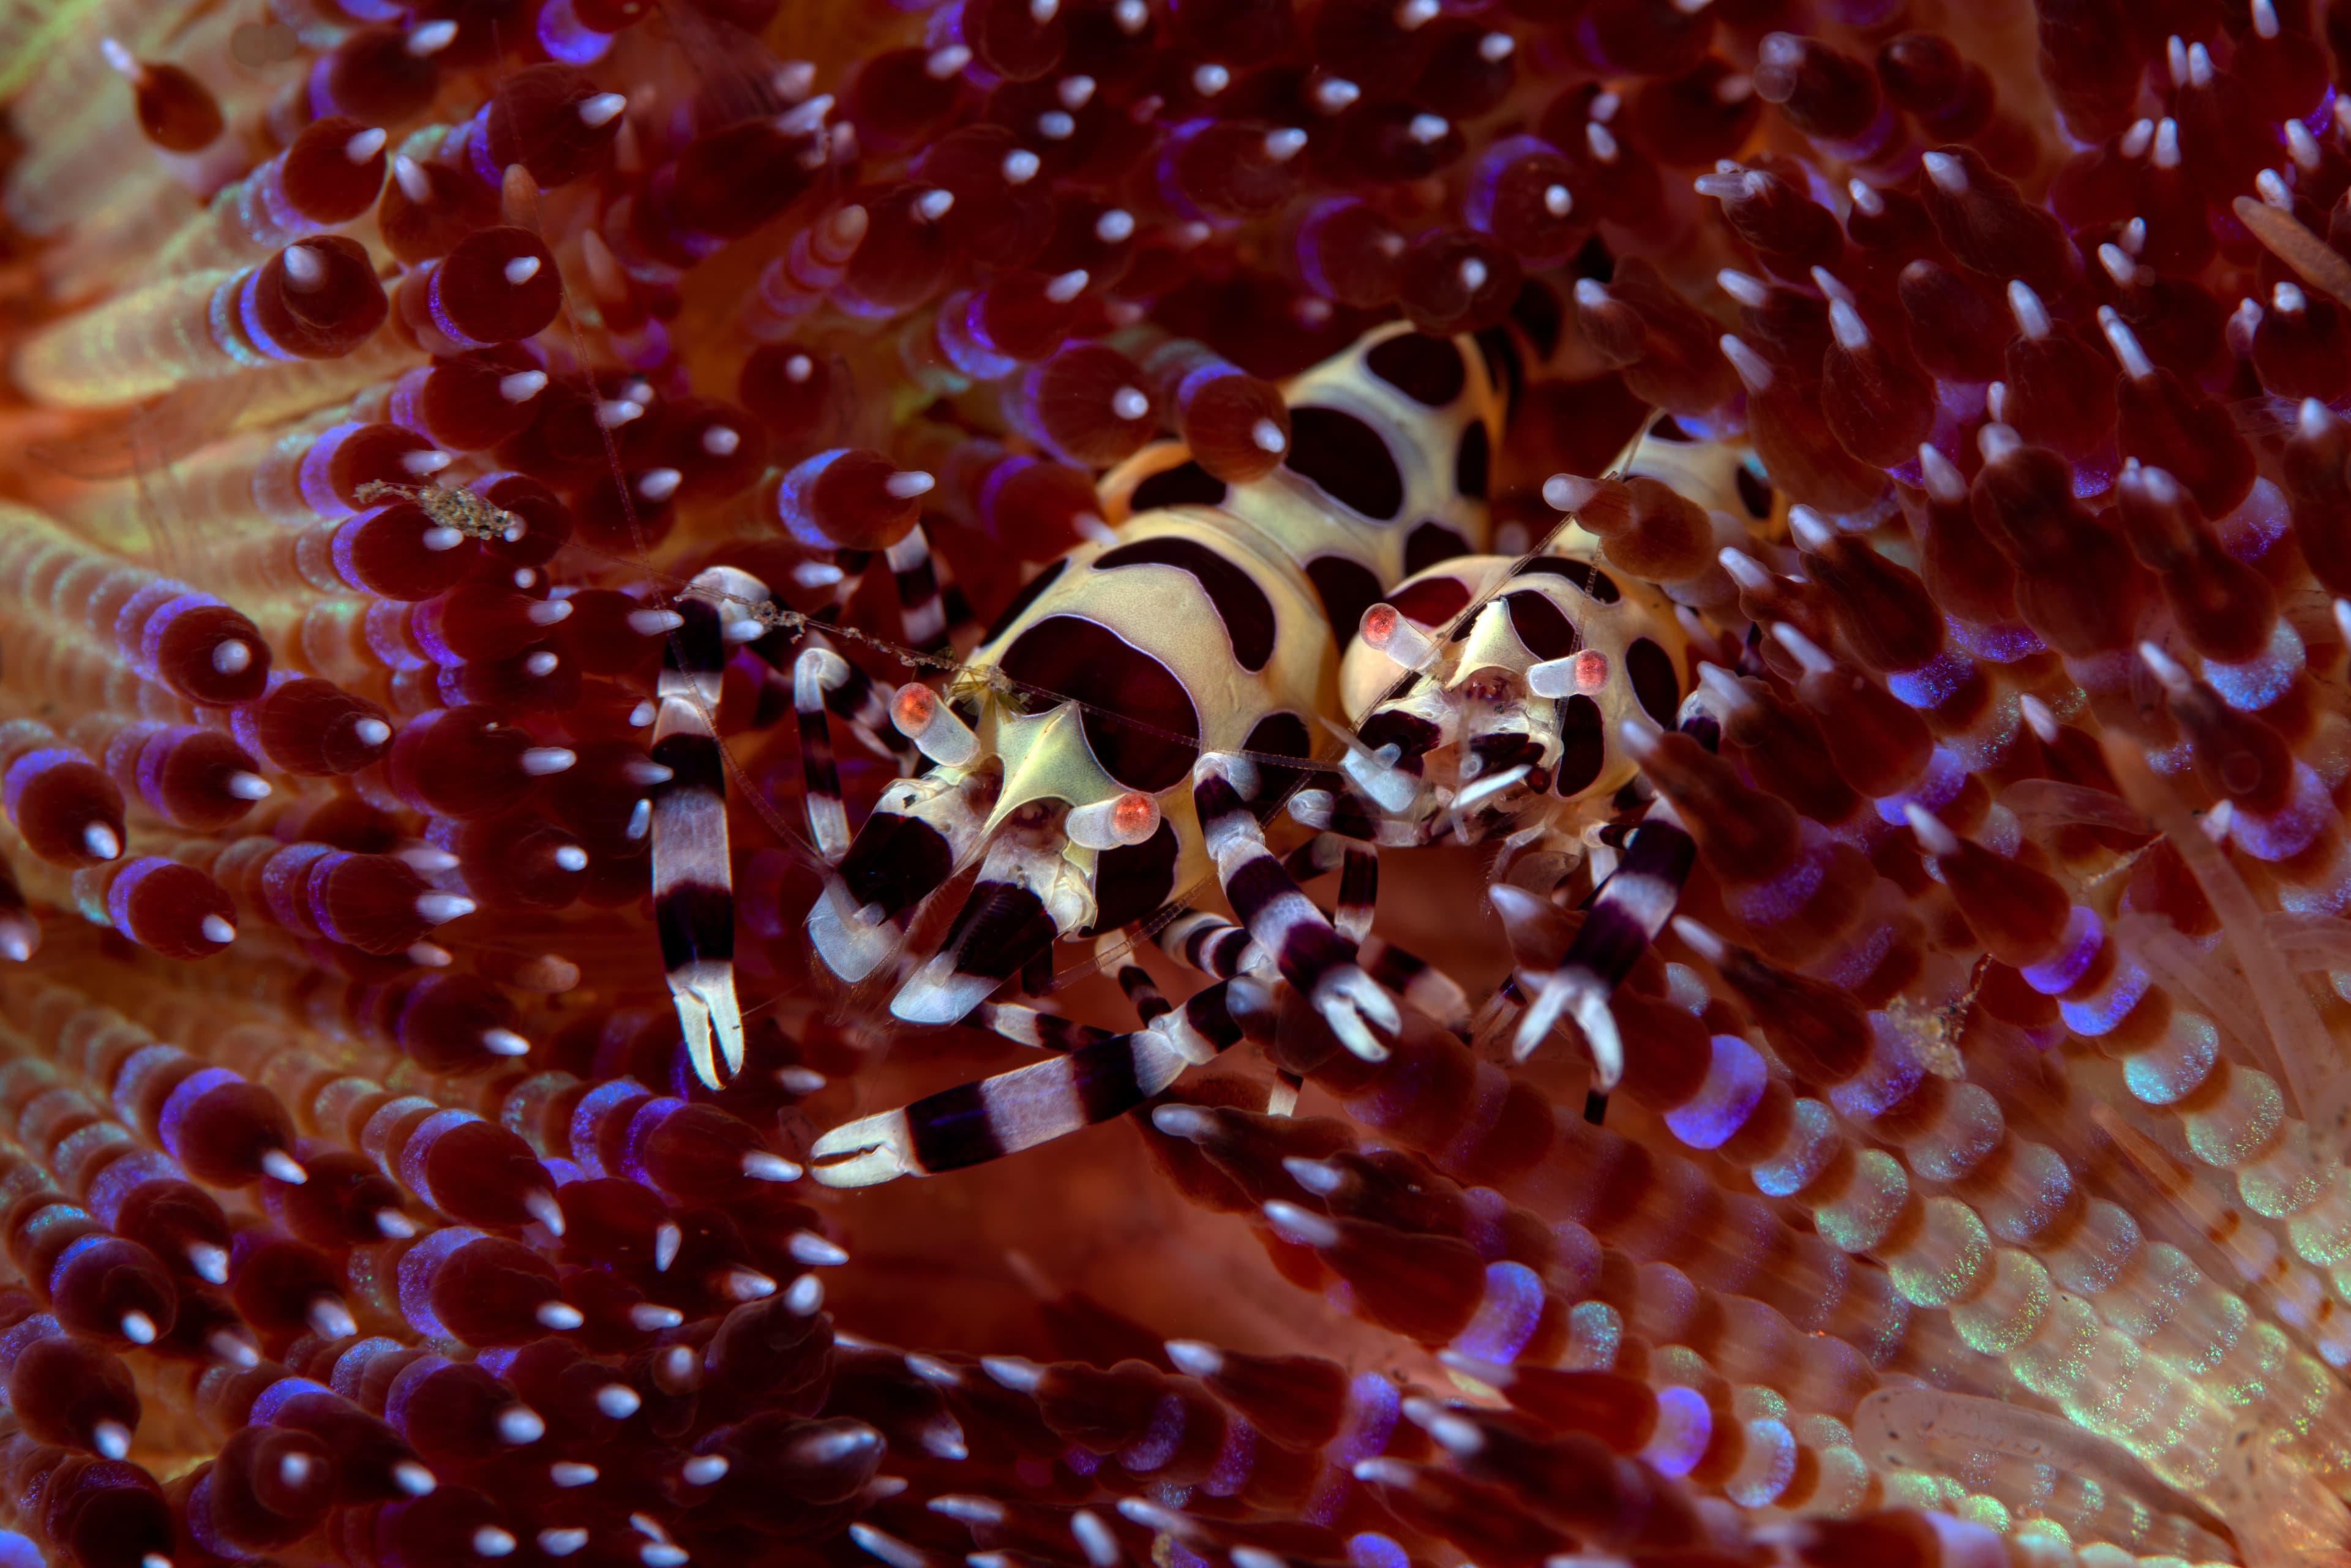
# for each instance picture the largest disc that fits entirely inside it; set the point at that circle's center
(364, 146)
(2125, 344)
(1013, 1372)
(137, 1327)
(110, 1439)
(303, 268)
(618, 1401)
(705, 1469)
(218, 931)
(504, 1043)
(1282, 145)
(1021, 166)
(907, 484)
(519, 1424)
(1846, 325)
(491, 1541)
(658, 485)
(761, 1165)
(414, 1479)
(372, 731)
(2166, 668)
(542, 1206)
(721, 440)
(439, 907)
(233, 657)
(541, 760)
(101, 841)
(411, 179)
(1699, 940)
(521, 271)
(807, 1247)
(329, 1319)
(601, 110)
(1196, 1358)
(394, 1226)
(2038, 718)
(1268, 436)
(561, 1317)
(1932, 835)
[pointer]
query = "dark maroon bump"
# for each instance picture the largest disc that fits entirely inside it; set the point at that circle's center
(176, 111)
(480, 1172)
(728, 182)
(112, 1290)
(520, 862)
(68, 811)
(465, 762)
(306, 725)
(334, 170)
(493, 1291)
(1007, 38)
(172, 909)
(717, 449)
(1231, 168)
(268, 1488)
(1002, 213)
(381, 75)
(194, 778)
(318, 298)
(907, 250)
(898, 97)
(180, 1223)
(427, 208)
(551, 120)
(346, 1202)
(74, 1393)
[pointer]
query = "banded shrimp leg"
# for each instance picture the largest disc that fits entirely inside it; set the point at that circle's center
(721, 610)
(693, 879)
(1282, 931)
(1216, 946)
(1624, 917)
